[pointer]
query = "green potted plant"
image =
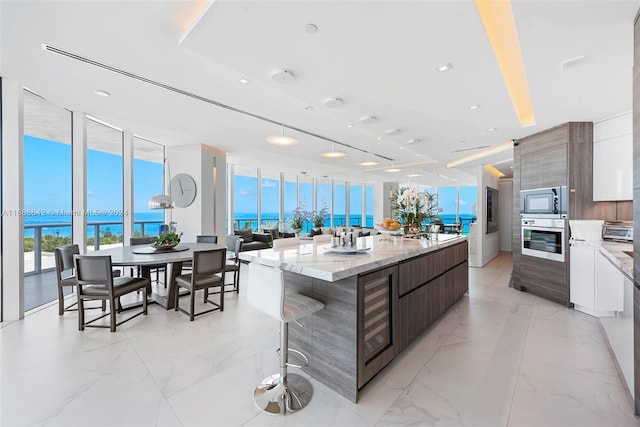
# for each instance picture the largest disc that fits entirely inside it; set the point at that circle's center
(318, 217)
(414, 207)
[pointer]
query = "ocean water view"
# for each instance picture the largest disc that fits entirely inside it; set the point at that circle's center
(250, 221)
(60, 225)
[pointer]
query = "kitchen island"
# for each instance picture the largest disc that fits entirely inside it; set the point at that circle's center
(379, 296)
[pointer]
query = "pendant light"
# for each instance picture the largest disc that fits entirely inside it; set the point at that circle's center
(282, 139)
(333, 154)
(163, 201)
(368, 162)
(393, 169)
(413, 174)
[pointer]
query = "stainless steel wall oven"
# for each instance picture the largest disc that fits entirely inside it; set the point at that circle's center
(544, 238)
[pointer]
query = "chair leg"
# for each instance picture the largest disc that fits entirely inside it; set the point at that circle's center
(177, 298)
(60, 301)
(222, 298)
(80, 314)
(112, 314)
(144, 302)
(192, 303)
(206, 295)
(237, 277)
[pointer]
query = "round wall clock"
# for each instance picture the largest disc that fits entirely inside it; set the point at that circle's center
(183, 190)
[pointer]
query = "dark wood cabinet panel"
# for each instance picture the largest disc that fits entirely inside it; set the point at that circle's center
(419, 308)
(545, 278)
(377, 307)
(421, 269)
(544, 168)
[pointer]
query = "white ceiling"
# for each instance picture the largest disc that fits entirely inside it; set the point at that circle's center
(378, 56)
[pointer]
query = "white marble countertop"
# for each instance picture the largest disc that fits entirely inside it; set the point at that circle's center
(319, 261)
(614, 253)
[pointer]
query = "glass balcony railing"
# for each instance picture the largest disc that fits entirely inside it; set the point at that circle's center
(41, 239)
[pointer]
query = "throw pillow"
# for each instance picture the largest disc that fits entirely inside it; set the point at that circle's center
(247, 236)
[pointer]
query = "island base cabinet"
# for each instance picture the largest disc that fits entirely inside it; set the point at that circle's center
(421, 308)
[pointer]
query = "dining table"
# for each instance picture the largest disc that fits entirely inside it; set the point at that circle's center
(146, 257)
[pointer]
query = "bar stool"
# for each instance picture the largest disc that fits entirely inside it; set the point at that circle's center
(280, 393)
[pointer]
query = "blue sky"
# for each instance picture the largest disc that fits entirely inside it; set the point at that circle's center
(47, 178)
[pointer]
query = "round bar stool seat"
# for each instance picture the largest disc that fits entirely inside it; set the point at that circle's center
(280, 393)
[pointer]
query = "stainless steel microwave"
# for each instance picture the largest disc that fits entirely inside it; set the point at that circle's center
(544, 202)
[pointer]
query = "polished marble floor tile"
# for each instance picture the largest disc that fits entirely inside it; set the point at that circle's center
(499, 357)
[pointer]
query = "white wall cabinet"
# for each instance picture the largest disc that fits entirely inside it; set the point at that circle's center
(596, 285)
(613, 158)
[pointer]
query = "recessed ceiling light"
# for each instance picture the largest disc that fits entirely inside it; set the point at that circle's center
(401, 147)
(309, 107)
(244, 80)
(283, 76)
(414, 141)
(444, 67)
(368, 119)
(474, 107)
(392, 132)
(393, 169)
(379, 138)
(413, 175)
(101, 93)
(491, 129)
(333, 102)
(349, 125)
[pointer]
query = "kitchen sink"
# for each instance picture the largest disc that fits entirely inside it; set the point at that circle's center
(630, 253)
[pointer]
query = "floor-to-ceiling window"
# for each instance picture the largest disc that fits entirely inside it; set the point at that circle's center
(305, 188)
(368, 206)
(104, 186)
(47, 191)
(270, 201)
(148, 181)
(467, 207)
(355, 204)
(323, 198)
(290, 200)
(245, 198)
(448, 204)
(339, 204)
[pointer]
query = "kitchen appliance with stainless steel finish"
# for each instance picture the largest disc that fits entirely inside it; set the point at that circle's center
(619, 231)
(548, 202)
(544, 238)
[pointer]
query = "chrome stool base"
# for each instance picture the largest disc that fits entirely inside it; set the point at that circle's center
(275, 397)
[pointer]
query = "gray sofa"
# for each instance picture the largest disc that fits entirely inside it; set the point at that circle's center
(252, 241)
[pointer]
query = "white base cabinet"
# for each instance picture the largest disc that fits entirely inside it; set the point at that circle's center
(596, 285)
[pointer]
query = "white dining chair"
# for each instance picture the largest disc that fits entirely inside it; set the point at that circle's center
(285, 243)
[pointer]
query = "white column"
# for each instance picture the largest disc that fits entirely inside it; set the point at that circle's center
(12, 200)
(259, 188)
(230, 198)
(127, 183)
(347, 203)
(281, 203)
(79, 179)
(363, 222)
